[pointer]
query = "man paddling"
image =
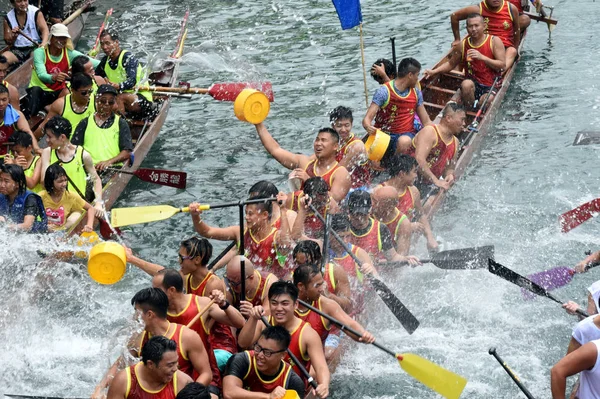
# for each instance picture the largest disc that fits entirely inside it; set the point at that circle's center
(385, 201)
(584, 361)
(261, 373)
(483, 58)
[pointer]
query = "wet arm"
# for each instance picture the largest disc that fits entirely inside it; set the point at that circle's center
(42, 28)
(285, 158)
(340, 184)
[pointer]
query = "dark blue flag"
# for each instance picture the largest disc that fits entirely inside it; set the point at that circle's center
(348, 12)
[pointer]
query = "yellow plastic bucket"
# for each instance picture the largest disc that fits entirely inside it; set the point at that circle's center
(377, 144)
(251, 106)
(291, 394)
(107, 262)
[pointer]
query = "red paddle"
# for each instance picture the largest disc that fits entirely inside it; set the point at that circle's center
(573, 218)
(163, 177)
(218, 91)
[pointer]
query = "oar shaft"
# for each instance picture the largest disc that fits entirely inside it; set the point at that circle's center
(512, 375)
(27, 37)
(200, 314)
(578, 311)
(221, 255)
(232, 204)
(181, 90)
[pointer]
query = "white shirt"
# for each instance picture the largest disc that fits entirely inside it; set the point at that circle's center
(589, 382)
(586, 331)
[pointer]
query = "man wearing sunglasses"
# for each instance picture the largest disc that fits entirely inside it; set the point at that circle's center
(262, 372)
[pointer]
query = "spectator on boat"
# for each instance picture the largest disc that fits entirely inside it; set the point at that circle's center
(305, 343)
(352, 153)
(63, 208)
(51, 70)
(75, 107)
(385, 201)
(20, 209)
(395, 105)
(194, 390)
(104, 134)
(501, 20)
(13, 92)
(584, 360)
(25, 157)
(77, 162)
(323, 163)
(11, 120)
(124, 72)
(30, 20)
(307, 225)
(263, 369)
(482, 57)
(155, 377)
(382, 71)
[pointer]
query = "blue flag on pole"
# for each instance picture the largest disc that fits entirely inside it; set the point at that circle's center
(349, 12)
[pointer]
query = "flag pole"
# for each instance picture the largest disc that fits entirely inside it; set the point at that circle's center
(362, 54)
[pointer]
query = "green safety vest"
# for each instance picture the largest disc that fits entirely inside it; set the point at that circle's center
(119, 75)
(72, 116)
(29, 173)
(102, 144)
(75, 169)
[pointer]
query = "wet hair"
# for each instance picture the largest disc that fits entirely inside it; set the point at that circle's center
(78, 64)
(17, 174)
(262, 206)
(263, 189)
(21, 138)
(111, 33)
(340, 113)
(3, 59)
(333, 133)
(452, 106)
(197, 246)
(53, 172)
(399, 163)
(340, 222)
(408, 65)
(58, 125)
(310, 249)
(3, 89)
(315, 186)
(171, 278)
(359, 200)
(80, 80)
(156, 347)
(474, 15)
(278, 334)
(283, 288)
(153, 299)
(388, 66)
(193, 390)
(303, 274)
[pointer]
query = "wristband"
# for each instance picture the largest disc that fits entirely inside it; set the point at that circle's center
(224, 307)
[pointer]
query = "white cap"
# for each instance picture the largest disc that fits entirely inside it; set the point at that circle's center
(59, 30)
(594, 290)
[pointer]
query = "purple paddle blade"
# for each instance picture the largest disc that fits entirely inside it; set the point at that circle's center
(550, 279)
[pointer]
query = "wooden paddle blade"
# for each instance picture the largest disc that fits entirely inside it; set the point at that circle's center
(575, 217)
(448, 384)
(464, 258)
(230, 91)
(587, 137)
(163, 177)
(404, 316)
(142, 214)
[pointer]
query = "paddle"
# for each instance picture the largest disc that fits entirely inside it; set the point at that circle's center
(162, 177)
(295, 360)
(218, 91)
(77, 12)
(401, 312)
(512, 375)
(20, 32)
(200, 314)
(575, 217)
(96, 48)
(557, 277)
(587, 137)
(146, 214)
(474, 126)
(457, 259)
(517, 279)
(442, 381)
(221, 255)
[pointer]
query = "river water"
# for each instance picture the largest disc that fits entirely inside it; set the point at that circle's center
(59, 330)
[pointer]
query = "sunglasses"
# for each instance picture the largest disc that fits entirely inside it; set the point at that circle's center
(182, 258)
(266, 352)
(107, 102)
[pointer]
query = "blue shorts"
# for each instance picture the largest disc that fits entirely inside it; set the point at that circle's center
(222, 356)
(480, 90)
(394, 137)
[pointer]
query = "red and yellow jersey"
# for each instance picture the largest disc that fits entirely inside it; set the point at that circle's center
(369, 241)
(200, 288)
(499, 23)
(296, 348)
(135, 390)
(254, 383)
(441, 153)
(263, 253)
(316, 321)
(328, 176)
(477, 70)
(264, 279)
(183, 362)
(360, 175)
(397, 115)
(394, 224)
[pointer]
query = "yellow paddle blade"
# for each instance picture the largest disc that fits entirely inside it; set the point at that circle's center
(442, 381)
(143, 214)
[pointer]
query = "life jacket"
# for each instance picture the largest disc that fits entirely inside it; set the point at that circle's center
(183, 362)
(477, 70)
(75, 169)
(30, 29)
(136, 391)
(75, 117)
(360, 175)
(499, 23)
(102, 143)
(316, 321)
(16, 211)
(397, 115)
(62, 65)
(253, 381)
(119, 75)
(440, 155)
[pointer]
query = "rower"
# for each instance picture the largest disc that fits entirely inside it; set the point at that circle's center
(501, 19)
(482, 57)
(265, 246)
(305, 343)
(583, 360)
(51, 70)
(385, 201)
(266, 189)
(371, 235)
(11, 120)
(105, 135)
(262, 369)
(75, 106)
(76, 161)
(30, 20)
(394, 106)
(524, 19)
(26, 158)
(20, 209)
(13, 92)
(257, 285)
(323, 163)
(382, 71)
(307, 224)
(352, 153)
(184, 307)
(403, 174)
(124, 72)
(83, 64)
(155, 377)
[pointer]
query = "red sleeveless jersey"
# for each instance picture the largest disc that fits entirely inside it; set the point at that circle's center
(254, 383)
(56, 67)
(183, 363)
(328, 176)
(199, 290)
(136, 391)
(360, 175)
(6, 131)
(518, 4)
(184, 317)
(329, 278)
(397, 115)
(394, 224)
(313, 227)
(296, 348)
(499, 23)
(347, 263)
(477, 70)
(316, 321)
(440, 155)
(370, 241)
(264, 279)
(221, 337)
(406, 203)
(262, 253)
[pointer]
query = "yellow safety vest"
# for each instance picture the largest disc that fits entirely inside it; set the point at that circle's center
(74, 117)
(102, 144)
(75, 169)
(119, 75)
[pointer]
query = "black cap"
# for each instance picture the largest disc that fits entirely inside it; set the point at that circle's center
(359, 201)
(105, 88)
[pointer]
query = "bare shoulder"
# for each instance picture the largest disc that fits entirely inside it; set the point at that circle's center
(182, 380)
(416, 194)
